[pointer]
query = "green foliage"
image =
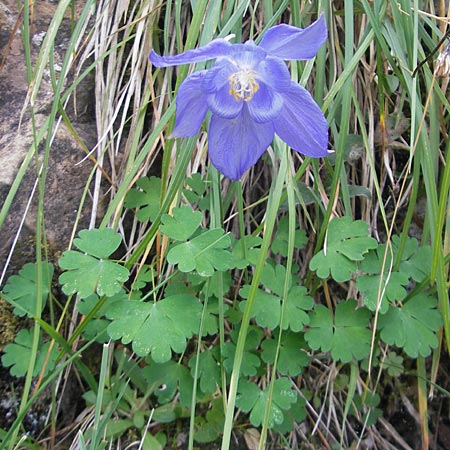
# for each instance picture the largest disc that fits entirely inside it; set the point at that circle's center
(208, 428)
(17, 355)
(246, 251)
(252, 399)
(21, 289)
(412, 326)
(208, 370)
(182, 224)
(98, 243)
(251, 361)
(297, 304)
(96, 326)
(347, 242)
(415, 261)
(393, 363)
(267, 307)
(144, 276)
(155, 328)
(366, 407)
(392, 286)
(204, 253)
(157, 442)
(146, 198)
(346, 336)
(280, 243)
(168, 378)
(293, 355)
(295, 415)
(91, 272)
(211, 319)
(196, 191)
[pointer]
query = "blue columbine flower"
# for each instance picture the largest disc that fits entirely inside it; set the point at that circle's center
(251, 96)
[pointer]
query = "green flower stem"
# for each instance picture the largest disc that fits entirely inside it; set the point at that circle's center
(287, 283)
(217, 221)
(272, 209)
(350, 395)
(422, 400)
(197, 362)
(240, 206)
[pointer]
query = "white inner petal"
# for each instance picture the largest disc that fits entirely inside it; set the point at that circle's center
(243, 85)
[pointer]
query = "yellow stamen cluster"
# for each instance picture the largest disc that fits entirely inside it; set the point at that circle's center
(243, 85)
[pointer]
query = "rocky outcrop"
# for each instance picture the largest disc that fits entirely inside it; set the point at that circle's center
(68, 167)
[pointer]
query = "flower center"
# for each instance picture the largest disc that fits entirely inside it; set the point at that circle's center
(243, 85)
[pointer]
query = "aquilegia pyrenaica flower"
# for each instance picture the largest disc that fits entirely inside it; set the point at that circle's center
(251, 96)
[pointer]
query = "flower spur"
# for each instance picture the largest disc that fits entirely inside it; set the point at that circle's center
(251, 97)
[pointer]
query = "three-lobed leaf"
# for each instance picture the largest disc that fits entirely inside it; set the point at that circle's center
(292, 357)
(379, 289)
(17, 355)
(91, 272)
(412, 327)
(21, 290)
(266, 308)
(182, 224)
(347, 336)
(86, 275)
(168, 378)
(155, 328)
(147, 198)
(205, 253)
(297, 306)
(252, 399)
(280, 243)
(347, 242)
(208, 370)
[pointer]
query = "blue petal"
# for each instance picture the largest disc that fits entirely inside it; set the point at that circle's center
(223, 104)
(248, 55)
(218, 76)
(301, 123)
(191, 106)
(216, 84)
(235, 145)
(265, 104)
(274, 72)
(288, 42)
(215, 49)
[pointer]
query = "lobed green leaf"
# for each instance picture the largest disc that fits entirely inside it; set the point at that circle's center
(347, 242)
(182, 224)
(204, 253)
(21, 289)
(166, 379)
(17, 355)
(347, 336)
(155, 328)
(292, 357)
(412, 327)
(147, 198)
(251, 399)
